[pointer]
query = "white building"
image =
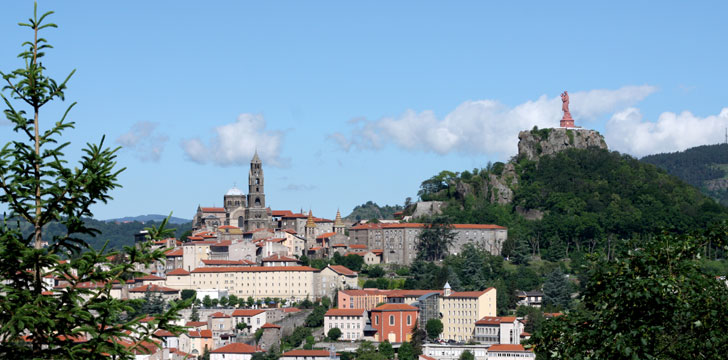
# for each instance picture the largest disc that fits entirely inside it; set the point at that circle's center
(498, 330)
(254, 318)
(234, 351)
(351, 322)
(509, 351)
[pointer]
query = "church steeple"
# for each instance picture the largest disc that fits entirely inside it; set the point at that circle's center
(256, 216)
(339, 226)
(310, 227)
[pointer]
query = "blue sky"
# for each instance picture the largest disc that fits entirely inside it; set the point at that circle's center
(349, 102)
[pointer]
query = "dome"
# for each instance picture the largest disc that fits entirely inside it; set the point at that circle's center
(234, 191)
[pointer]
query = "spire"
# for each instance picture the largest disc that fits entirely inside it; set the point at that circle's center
(447, 290)
(338, 222)
(256, 159)
(309, 222)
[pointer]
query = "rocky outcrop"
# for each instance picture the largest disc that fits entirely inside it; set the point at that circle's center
(716, 184)
(427, 208)
(535, 143)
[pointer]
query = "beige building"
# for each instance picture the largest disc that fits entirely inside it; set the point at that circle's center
(194, 252)
(461, 310)
(285, 282)
(220, 323)
(254, 318)
(166, 293)
(337, 277)
(351, 322)
(196, 341)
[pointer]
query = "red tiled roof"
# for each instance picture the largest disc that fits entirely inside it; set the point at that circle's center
(411, 293)
(315, 219)
(276, 258)
(213, 209)
(477, 226)
(506, 347)
(364, 292)
(291, 231)
(175, 252)
(362, 254)
(153, 288)
(251, 269)
(200, 333)
(495, 320)
(149, 277)
(236, 348)
(291, 310)
(227, 227)
(247, 312)
(524, 334)
(178, 271)
(357, 246)
(326, 235)
(395, 307)
(196, 323)
(276, 240)
(469, 294)
(163, 333)
(296, 215)
(270, 326)
(282, 213)
(342, 270)
(345, 312)
(219, 315)
(377, 251)
(420, 225)
(315, 248)
(339, 245)
(307, 353)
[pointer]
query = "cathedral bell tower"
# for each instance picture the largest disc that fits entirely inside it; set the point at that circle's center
(256, 216)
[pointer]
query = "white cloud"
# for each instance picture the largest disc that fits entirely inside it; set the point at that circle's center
(299, 187)
(628, 132)
(482, 126)
(143, 141)
(235, 143)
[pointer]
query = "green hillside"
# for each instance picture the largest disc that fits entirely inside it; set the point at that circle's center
(370, 210)
(698, 166)
(579, 199)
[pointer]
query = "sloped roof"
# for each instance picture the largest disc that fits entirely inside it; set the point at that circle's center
(342, 270)
(345, 312)
(236, 348)
(247, 312)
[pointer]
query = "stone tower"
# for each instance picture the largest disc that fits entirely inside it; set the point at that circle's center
(256, 216)
(310, 228)
(339, 226)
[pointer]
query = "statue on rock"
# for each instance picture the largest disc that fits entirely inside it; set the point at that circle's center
(566, 120)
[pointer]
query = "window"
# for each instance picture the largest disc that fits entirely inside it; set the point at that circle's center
(409, 319)
(391, 319)
(376, 320)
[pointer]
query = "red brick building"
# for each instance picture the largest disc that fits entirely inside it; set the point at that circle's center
(394, 322)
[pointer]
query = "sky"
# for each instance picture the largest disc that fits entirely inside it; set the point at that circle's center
(348, 102)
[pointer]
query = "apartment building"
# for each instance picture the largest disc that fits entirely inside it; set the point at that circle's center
(351, 322)
(461, 310)
(286, 282)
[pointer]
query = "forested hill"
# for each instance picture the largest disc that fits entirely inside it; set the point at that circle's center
(371, 210)
(118, 234)
(578, 199)
(705, 167)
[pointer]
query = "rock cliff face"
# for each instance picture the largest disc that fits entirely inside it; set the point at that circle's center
(535, 143)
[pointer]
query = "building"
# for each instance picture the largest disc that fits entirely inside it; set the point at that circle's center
(498, 330)
(453, 351)
(351, 322)
(529, 298)
(398, 242)
(195, 341)
(509, 351)
(259, 282)
(394, 322)
(234, 351)
(166, 293)
(220, 323)
(366, 299)
(309, 355)
(460, 311)
(245, 212)
(254, 318)
(337, 277)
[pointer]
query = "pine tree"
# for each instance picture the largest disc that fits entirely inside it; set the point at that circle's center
(38, 187)
(556, 290)
(195, 315)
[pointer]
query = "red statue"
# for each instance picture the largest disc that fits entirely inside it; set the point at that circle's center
(566, 120)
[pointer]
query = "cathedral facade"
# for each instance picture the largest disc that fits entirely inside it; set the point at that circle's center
(248, 213)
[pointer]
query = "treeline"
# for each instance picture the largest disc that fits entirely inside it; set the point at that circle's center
(578, 201)
(117, 234)
(370, 210)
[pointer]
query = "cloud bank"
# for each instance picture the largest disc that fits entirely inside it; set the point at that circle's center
(235, 144)
(481, 126)
(142, 140)
(627, 131)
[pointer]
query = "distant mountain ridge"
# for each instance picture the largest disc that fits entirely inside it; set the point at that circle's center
(147, 218)
(705, 167)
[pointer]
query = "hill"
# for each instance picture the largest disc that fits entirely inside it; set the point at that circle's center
(147, 218)
(371, 210)
(705, 167)
(577, 198)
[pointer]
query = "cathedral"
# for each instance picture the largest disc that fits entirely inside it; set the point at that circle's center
(245, 212)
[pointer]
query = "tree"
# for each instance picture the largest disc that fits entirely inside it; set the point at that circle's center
(250, 301)
(316, 317)
(207, 301)
(223, 302)
(385, 348)
(556, 290)
(434, 328)
(188, 293)
(367, 351)
(467, 355)
(215, 302)
(195, 315)
(334, 334)
(650, 301)
(241, 326)
(375, 272)
(37, 189)
(406, 352)
(435, 239)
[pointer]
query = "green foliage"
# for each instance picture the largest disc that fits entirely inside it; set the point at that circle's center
(651, 301)
(316, 317)
(385, 348)
(188, 293)
(403, 271)
(241, 326)
(296, 338)
(194, 315)
(259, 333)
(466, 355)
(543, 134)
(570, 134)
(556, 291)
(434, 328)
(435, 239)
(334, 334)
(39, 189)
(406, 352)
(375, 271)
(371, 210)
(367, 351)
(351, 261)
(318, 263)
